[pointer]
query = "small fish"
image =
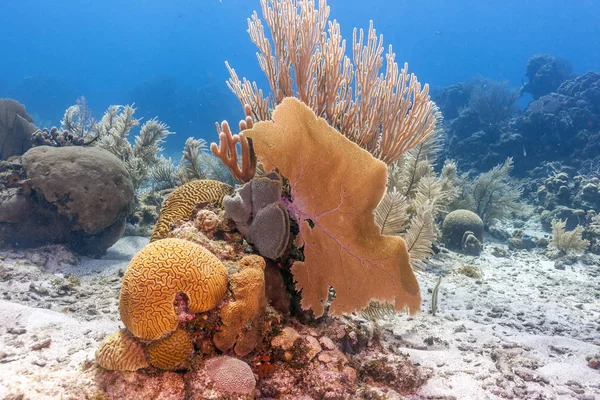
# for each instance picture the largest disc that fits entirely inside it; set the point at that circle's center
(524, 152)
(438, 32)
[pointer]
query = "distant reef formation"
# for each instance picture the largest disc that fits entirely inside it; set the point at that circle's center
(484, 127)
(78, 196)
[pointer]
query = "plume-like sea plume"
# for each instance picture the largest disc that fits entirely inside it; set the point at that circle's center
(567, 241)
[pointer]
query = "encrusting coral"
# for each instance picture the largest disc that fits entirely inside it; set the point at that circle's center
(335, 186)
(121, 352)
(239, 316)
(163, 273)
(181, 202)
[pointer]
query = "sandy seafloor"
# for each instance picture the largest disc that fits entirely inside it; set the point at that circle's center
(522, 330)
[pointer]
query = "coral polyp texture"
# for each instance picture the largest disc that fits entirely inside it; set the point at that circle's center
(170, 352)
(121, 352)
(163, 273)
(239, 317)
(335, 187)
(181, 202)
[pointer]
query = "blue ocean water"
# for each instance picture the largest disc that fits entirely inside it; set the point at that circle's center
(168, 56)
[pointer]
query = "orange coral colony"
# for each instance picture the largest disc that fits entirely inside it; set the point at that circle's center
(157, 275)
(335, 187)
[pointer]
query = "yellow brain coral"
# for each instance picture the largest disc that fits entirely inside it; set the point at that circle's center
(121, 352)
(181, 202)
(239, 317)
(170, 352)
(163, 272)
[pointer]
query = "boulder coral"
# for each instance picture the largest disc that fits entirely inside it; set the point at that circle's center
(240, 316)
(457, 224)
(181, 202)
(170, 352)
(121, 352)
(164, 275)
(70, 195)
(335, 187)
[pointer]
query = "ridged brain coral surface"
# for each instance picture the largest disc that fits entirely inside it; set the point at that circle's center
(170, 352)
(155, 276)
(335, 187)
(121, 352)
(181, 202)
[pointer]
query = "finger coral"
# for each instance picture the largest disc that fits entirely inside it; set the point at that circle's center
(170, 352)
(121, 352)
(335, 186)
(181, 202)
(164, 274)
(240, 315)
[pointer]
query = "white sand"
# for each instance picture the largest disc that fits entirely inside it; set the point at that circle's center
(521, 331)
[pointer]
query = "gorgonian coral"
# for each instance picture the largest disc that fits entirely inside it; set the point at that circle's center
(335, 186)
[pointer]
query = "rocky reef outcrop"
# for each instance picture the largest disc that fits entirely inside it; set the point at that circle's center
(76, 196)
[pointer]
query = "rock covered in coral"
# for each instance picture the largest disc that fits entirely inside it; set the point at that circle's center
(545, 74)
(181, 202)
(76, 196)
(455, 227)
(16, 128)
(259, 215)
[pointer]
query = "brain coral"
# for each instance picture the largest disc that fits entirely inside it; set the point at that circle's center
(181, 202)
(231, 375)
(239, 317)
(121, 352)
(170, 352)
(160, 273)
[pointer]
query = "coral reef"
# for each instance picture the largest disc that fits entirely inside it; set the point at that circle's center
(181, 202)
(565, 117)
(16, 128)
(79, 197)
(545, 74)
(331, 177)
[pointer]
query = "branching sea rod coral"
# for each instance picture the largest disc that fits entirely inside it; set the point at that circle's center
(386, 114)
(335, 186)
